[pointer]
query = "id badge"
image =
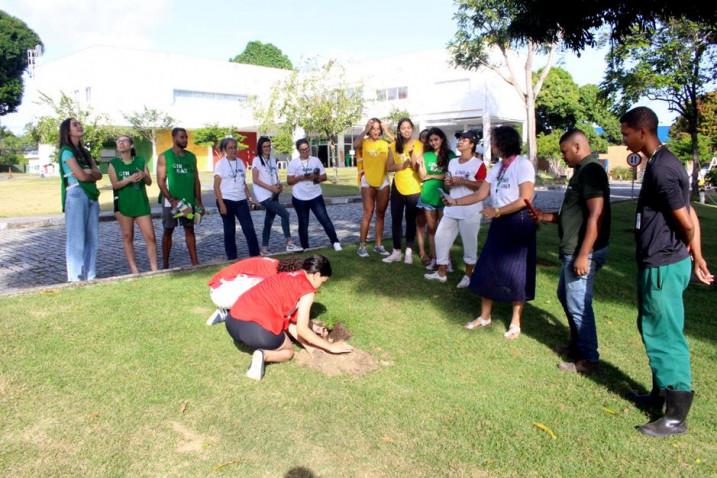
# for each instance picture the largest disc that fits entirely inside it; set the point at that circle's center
(638, 219)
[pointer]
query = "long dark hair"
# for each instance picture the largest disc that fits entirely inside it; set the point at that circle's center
(259, 145)
(442, 153)
(132, 152)
(81, 154)
(399, 138)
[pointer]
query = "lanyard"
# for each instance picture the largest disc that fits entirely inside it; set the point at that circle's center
(504, 165)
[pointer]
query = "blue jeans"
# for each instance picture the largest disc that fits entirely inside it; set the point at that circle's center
(318, 207)
(274, 208)
(82, 222)
(240, 210)
(576, 295)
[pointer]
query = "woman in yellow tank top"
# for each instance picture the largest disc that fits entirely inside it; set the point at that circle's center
(403, 158)
(373, 182)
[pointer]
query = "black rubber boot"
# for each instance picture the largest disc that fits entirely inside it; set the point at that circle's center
(653, 401)
(677, 406)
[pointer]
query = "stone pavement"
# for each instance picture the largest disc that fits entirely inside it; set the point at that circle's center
(35, 256)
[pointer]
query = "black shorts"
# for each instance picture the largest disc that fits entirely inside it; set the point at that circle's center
(254, 335)
(170, 222)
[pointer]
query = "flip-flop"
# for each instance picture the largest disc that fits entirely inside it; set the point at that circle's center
(512, 333)
(477, 323)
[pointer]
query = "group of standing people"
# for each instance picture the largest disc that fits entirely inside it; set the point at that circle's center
(181, 199)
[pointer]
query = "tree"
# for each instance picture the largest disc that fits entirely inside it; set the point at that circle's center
(394, 116)
(15, 39)
(13, 148)
(482, 25)
(97, 132)
(318, 100)
(212, 135)
(674, 62)
(263, 54)
(147, 123)
(707, 128)
(577, 23)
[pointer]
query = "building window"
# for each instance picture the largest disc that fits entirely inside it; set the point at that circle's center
(208, 95)
(391, 94)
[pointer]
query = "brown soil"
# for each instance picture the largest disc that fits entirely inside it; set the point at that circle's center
(339, 333)
(357, 362)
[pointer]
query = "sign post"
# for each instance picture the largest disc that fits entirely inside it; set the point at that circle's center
(633, 160)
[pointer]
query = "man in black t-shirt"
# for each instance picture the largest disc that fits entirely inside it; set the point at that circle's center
(584, 230)
(667, 234)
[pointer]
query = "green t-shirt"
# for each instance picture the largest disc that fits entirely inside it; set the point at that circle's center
(430, 187)
(130, 200)
(589, 181)
(180, 175)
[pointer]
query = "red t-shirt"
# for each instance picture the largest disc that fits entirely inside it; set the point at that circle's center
(270, 302)
(253, 266)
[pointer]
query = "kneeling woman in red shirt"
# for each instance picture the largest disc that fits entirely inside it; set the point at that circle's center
(262, 316)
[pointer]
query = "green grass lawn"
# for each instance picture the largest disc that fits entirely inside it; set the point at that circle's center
(30, 195)
(124, 379)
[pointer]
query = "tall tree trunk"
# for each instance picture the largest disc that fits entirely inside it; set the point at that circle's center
(695, 161)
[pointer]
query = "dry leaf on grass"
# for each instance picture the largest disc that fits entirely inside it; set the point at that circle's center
(547, 430)
(222, 465)
(184, 406)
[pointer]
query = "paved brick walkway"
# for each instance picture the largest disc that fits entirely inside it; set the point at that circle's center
(35, 256)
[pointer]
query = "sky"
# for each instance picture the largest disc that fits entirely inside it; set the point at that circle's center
(219, 29)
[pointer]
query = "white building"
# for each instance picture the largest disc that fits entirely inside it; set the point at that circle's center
(197, 92)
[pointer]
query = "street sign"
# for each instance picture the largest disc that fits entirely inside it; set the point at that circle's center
(634, 160)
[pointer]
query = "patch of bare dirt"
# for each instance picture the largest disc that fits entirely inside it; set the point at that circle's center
(356, 363)
(190, 441)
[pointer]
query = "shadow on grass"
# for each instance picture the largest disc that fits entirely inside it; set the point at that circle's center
(300, 472)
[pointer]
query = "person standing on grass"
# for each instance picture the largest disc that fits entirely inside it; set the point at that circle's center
(130, 177)
(403, 157)
(464, 176)
(505, 271)
(267, 188)
(669, 251)
(233, 199)
(432, 167)
(79, 175)
(305, 175)
(178, 181)
(584, 229)
(373, 182)
(265, 316)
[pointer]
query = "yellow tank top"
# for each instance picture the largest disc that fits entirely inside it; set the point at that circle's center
(375, 155)
(407, 180)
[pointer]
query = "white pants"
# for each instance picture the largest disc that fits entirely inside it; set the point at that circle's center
(226, 294)
(448, 229)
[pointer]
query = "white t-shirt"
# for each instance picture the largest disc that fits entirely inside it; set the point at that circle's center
(474, 170)
(305, 190)
(233, 175)
(268, 174)
(505, 182)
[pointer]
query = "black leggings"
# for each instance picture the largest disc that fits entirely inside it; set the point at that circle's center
(253, 335)
(399, 202)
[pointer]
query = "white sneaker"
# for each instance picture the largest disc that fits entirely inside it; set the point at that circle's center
(394, 257)
(409, 256)
(219, 316)
(256, 367)
(337, 247)
(435, 276)
(465, 282)
(291, 247)
(265, 251)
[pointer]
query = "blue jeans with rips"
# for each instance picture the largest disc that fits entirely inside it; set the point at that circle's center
(576, 296)
(82, 223)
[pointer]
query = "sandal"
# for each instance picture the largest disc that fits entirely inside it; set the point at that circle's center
(513, 332)
(477, 323)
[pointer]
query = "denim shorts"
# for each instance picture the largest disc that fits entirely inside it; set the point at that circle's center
(427, 207)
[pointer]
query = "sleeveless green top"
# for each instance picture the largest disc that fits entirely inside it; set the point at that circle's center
(180, 175)
(90, 188)
(130, 200)
(430, 187)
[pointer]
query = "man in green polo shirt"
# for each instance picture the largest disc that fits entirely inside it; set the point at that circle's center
(584, 230)
(669, 251)
(178, 180)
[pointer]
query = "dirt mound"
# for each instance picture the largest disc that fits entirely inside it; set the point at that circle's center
(357, 362)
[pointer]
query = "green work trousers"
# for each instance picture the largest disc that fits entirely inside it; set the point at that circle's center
(661, 322)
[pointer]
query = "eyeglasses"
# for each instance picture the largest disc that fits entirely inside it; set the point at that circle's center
(303, 150)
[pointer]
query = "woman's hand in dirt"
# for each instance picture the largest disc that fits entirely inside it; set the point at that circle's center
(340, 348)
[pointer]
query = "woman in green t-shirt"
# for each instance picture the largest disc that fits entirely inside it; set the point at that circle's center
(432, 169)
(130, 177)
